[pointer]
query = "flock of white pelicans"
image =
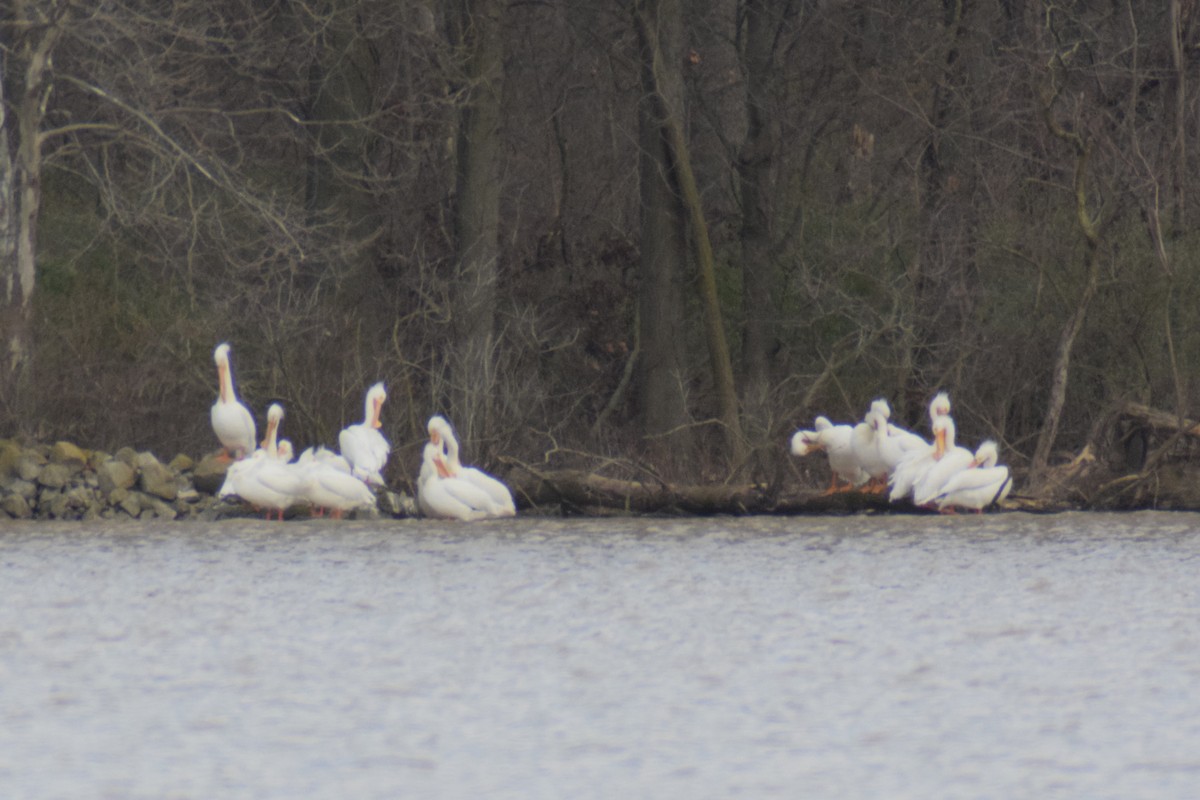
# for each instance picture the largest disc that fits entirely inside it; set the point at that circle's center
(267, 475)
(873, 455)
(877, 456)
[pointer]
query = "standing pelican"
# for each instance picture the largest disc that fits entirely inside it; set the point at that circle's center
(231, 421)
(363, 445)
(502, 504)
(865, 441)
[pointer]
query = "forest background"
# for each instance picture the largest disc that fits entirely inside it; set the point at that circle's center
(624, 234)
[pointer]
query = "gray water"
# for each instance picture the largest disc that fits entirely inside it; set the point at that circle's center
(897, 656)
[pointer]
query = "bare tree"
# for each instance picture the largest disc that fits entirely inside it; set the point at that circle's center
(475, 31)
(31, 31)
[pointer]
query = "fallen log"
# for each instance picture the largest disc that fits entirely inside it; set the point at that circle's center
(577, 491)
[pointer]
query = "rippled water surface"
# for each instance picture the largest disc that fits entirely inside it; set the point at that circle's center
(894, 656)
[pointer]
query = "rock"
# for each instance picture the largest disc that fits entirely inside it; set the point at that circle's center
(55, 476)
(130, 504)
(209, 474)
(157, 479)
(29, 465)
(182, 463)
(159, 509)
(16, 506)
(114, 474)
(10, 455)
(96, 458)
(128, 455)
(27, 489)
(187, 495)
(395, 505)
(68, 454)
(71, 504)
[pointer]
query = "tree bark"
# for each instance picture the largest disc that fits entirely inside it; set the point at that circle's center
(679, 163)
(1066, 341)
(944, 257)
(36, 29)
(476, 29)
(756, 172)
(662, 376)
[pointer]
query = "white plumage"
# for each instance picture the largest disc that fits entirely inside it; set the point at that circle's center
(363, 445)
(501, 502)
(232, 422)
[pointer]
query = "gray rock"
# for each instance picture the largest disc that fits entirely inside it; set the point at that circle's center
(55, 476)
(157, 479)
(393, 504)
(114, 475)
(182, 463)
(69, 454)
(128, 455)
(10, 455)
(130, 504)
(29, 466)
(26, 489)
(16, 506)
(209, 474)
(160, 509)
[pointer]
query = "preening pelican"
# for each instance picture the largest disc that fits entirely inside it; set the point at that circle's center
(264, 479)
(835, 440)
(363, 445)
(232, 422)
(502, 504)
(441, 496)
(950, 459)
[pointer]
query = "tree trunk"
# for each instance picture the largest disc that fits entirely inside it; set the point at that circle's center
(1070, 331)
(938, 274)
(476, 29)
(662, 376)
(36, 30)
(679, 164)
(756, 172)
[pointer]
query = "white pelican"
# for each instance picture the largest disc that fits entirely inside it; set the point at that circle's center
(978, 486)
(895, 443)
(363, 445)
(502, 504)
(231, 421)
(917, 460)
(324, 454)
(441, 496)
(950, 460)
(263, 482)
(264, 479)
(866, 449)
(835, 440)
(328, 485)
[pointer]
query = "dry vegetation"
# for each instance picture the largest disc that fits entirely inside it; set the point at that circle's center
(984, 196)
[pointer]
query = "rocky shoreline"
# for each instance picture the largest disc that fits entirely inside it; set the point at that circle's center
(64, 481)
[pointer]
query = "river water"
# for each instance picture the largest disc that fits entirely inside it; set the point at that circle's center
(1000, 656)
